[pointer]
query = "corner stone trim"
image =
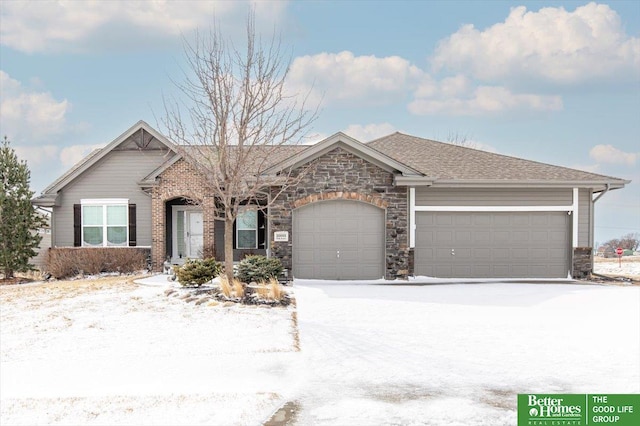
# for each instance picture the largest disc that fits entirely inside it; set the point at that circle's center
(353, 196)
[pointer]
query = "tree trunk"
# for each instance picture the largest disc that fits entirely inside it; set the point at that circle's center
(228, 249)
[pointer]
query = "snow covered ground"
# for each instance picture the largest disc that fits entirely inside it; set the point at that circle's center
(117, 353)
(628, 266)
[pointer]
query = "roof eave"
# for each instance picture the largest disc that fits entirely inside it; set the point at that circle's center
(48, 200)
(531, 183)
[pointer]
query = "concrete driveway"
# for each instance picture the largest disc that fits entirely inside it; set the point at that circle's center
(458, 354)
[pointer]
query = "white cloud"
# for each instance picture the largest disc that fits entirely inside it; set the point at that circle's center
(553, 44)
(369, 132)
(27, 115)
(70, 155)
(481, 100)
(612, 155)
(44, 26)
(345, 77)
(37, 156)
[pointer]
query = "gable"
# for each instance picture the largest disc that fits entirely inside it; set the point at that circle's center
(139, 138)
(348, 144)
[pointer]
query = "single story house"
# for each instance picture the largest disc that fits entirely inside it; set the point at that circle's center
(393, 207)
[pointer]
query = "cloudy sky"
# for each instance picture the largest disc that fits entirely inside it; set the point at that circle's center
(551, 81)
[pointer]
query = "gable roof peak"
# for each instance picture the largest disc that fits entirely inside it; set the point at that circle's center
(100, 153)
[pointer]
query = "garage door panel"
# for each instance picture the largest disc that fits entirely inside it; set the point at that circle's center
(463, 220)
(502, 244)
(354, 229)
(463, 237)
(502, 237)
(481, 220)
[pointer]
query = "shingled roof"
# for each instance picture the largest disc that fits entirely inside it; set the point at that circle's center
(447, 162)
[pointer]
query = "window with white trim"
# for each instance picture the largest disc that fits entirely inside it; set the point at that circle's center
(247, 228)
(105, 223)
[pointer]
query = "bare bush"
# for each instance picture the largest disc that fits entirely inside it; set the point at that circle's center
(68, 262)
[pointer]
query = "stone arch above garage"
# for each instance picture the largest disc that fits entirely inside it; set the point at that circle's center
(339, 195)
(342, 175)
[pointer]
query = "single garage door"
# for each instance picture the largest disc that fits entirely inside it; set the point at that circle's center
(338, 240)
(493, 245)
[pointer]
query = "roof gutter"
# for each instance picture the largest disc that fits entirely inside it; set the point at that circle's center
(602, 193)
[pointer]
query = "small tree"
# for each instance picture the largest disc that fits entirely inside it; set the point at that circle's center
(235, 118)
(19, 221)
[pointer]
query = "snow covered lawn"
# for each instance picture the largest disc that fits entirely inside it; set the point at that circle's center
(112, 352)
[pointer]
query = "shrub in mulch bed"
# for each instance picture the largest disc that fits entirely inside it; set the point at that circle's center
(270, 293)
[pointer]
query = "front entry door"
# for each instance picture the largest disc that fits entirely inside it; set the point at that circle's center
(194, 234)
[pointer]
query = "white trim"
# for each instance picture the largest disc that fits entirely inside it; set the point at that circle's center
(495, 208)
(104, 201)
(174, 229)
(412, 217)
(576, 202)
(242, 210)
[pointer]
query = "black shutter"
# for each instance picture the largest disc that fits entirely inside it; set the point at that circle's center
(132, 225)
(262, 230)
(235, 243)
(77, 225)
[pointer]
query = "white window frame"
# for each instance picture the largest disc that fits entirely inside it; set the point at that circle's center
(104, 202)
(241, 210)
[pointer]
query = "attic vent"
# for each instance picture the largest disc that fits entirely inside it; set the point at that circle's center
(142, 139)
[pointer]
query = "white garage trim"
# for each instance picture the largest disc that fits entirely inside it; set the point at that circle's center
(495, 208)
(570, 209)
(412, 217)
(574, 225)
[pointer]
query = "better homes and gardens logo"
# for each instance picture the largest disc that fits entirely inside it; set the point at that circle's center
(578, 409)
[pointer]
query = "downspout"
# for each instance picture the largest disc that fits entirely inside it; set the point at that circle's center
(602, 193)
(591, 213)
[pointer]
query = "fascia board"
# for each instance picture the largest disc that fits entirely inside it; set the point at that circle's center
(613, 184)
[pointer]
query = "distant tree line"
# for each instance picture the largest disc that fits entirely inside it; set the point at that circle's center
(629, 241)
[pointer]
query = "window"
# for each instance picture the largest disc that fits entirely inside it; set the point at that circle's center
(104, 223)
(247, 228)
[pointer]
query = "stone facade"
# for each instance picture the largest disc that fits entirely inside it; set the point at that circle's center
(582, 262)
(180, 180)
(339, 174)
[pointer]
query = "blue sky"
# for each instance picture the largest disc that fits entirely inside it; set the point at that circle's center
(556, 82)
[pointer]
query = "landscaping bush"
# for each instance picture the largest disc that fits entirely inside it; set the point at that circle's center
(69, 262)
(196, 272)
(259, 268)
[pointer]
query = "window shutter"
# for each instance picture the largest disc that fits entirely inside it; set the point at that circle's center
(262, 231)
(77, 225)
(132, 225)
(235, 244)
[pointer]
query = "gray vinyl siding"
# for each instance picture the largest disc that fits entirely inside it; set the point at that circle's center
(426, 196)
(114, 176)
(584, 218)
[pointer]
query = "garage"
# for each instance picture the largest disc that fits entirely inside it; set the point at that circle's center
(338, 240)
(493, 244)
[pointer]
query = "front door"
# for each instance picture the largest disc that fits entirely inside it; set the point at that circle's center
(188, 234)
(194, 234)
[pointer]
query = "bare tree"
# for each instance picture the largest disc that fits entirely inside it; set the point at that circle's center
(460, 139)
(234, 119)
(630, 241)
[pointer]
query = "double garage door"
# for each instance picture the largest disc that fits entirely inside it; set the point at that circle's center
(338, 240)
(493, 244)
